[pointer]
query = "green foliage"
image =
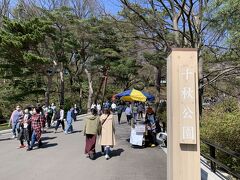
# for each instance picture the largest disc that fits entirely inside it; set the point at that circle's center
(226, 16)
(221, 126)
(162, 112)
(21, 61)
(19, 42)
(139, 86)
(4, 126)
(125, 70)
(157, 59)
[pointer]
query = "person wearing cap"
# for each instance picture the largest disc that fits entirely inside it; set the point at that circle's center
(17, 114)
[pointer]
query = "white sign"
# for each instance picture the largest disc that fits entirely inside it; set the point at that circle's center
(188, 133)
(187, 113)
(187, 94)
(140, 128)
(186, 73)
(136, 138)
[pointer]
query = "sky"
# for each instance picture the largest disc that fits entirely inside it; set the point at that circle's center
(111, 6)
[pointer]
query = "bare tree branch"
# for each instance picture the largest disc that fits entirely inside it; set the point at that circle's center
(227, 70)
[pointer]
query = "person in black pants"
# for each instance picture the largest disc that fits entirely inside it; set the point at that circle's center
(151, 127)
(119, 112)
(49, 116)
(60, 119)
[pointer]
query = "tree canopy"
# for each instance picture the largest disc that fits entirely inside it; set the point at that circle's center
(61, 50)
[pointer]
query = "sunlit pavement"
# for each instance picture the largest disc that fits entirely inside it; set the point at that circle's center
(62, 158)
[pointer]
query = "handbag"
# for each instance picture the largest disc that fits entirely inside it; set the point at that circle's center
(100, 129)
(105, 119)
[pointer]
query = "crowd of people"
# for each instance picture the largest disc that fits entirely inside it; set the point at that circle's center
(28, 124)
(135, 111)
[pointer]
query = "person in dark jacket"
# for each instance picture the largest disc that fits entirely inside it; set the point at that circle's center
(151, 126)
(60, 119)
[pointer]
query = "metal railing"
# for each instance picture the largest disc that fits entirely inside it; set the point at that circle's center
(214, 163)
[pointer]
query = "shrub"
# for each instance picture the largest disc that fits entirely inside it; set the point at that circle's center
(221, 126)
(2, 119)
(162, 114)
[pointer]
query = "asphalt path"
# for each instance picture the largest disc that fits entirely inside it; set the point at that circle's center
(62, 158)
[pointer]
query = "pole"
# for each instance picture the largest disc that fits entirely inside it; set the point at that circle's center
(183, 115)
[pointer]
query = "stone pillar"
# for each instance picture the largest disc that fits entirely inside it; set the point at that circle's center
(183, 115)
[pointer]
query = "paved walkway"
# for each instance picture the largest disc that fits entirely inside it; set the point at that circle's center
(62, 158)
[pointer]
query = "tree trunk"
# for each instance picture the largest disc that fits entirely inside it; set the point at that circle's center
(49, 86)
(199, 45)
(239, 101)
(90, 90)
(158, 74)
(104, 86)
(200, 74)
(99, 89)
(80, 97)
(175, 27)
(61, 73)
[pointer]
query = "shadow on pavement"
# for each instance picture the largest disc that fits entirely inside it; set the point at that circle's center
(113, 153)
(46, 132)
(48, 145)
(5, 139)
(204, 175)
(123, 122)
(47, 138)
(138, 147)
(98, 155)
(116, 152)
(76, 131)
(81, 119)
(61, 131)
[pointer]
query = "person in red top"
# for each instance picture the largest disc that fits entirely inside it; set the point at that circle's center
(37, 121)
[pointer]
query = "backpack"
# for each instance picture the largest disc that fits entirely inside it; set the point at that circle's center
(58, 115)
(50, 111)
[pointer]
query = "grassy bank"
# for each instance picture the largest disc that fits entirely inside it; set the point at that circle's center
(4, 126)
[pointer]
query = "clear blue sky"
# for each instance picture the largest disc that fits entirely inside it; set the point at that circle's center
(111, 6)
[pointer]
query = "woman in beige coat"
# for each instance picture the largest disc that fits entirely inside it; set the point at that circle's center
(107, 138)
